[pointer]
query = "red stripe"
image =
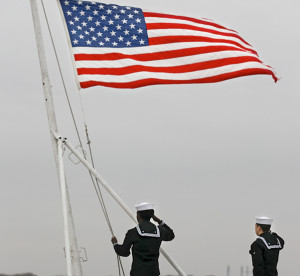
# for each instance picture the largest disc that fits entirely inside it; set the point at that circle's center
(146, 82)
(157, 26)
(158, 55)
(161, 15)
(174, 69)
(176, 39)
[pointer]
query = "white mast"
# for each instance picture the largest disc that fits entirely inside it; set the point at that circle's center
(72, 254)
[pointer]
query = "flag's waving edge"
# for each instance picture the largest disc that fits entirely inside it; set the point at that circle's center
(126, 47)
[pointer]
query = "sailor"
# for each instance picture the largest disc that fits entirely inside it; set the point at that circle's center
(265, 250)
(144, 241)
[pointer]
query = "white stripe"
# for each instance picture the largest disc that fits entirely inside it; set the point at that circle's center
(147, 49)
(175, 76)
(149, 20)
(271, 246)
(161, 63)
(183, 32)
(157, 235)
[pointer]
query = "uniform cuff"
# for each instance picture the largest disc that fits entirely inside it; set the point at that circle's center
(161, 223)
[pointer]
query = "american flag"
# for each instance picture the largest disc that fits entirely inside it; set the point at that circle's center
(126, 47)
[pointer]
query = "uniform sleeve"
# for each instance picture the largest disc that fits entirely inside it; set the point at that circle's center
(124, 249)
(167, 233)
(257, 260)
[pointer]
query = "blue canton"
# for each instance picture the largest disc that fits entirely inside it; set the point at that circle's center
(93, 24)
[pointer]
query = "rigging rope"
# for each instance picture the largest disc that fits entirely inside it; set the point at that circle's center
(96, 185)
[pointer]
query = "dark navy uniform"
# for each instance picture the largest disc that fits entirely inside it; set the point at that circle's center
(265, 253)
(145, 240)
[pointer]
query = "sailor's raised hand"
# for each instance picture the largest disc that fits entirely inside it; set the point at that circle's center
(114, 240)
(155, 218)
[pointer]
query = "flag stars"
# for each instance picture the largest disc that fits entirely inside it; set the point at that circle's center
(113, 33)
(107, 39)
(86, 32)
(74, 8)
(75, 41)
(79, 27)
(82, 13)
(115, 7)
(67, 3)
(140, 31)
(88, 42)
(101, 43)
(84, 24)
(118, 27)
(97, 23)
(103, 17)
(136, 11)
(134, 37)
(101, 7)
(90, 18)
(128, 43)
(132, 26)
(79, 2)
(120, 38)
(92, 29)
(122, 11)
(115, 43)
(130, 16)
(81, 36)
(94, 38)
(95, 12)
(126, 32)
(76, 18)
(124, 21)
(105, 28)
(99, 34)
(69, 13)
(138, 20)
(110, 22)
(142, 42)
(73, 32)
(108, 11)
(88, 7)
(71, 22)
(117, 16)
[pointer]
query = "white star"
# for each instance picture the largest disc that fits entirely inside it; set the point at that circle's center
(138, 20)
(81, 36)
(101, 7)
(124, 21)
(79, 2)
(95, 12)
(75, 41)
(92, 29)
(126, 32)
(90, 18)
(107, 39)
(132, 26)
(128, 8)
(113, 33)
(105, 28)
(110, 22)
(118, 27)
(134, 37)
(101, 43)
(120, 38)
(69, 13)
(67, 3)
(97, 23)
(79, 28)
(71, 22)
(130, 16)
(122, 11)
(115, 43)
(73, 32)
(117, 16)
(84, 24)
(115, 7)
(88, 42)
(136, 11)
(108, 11)
(93, 2)
(128, 43)
(86, 32)
(88, 7)
(103, 17)
(76, 18)
(140, 31)
(74, 8)
(142, 42)
(99, 34)
(82, 13)
(94, 38)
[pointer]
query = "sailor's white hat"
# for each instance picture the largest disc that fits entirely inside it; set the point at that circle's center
(144, 206)
(263, 220)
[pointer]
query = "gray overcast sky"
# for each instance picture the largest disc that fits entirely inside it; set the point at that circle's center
(211, 157)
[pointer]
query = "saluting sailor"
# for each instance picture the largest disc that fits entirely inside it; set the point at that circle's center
(265, 250)
(145, 240)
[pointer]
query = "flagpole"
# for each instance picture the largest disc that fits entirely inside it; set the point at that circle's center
(70, 236)
(114, 195)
